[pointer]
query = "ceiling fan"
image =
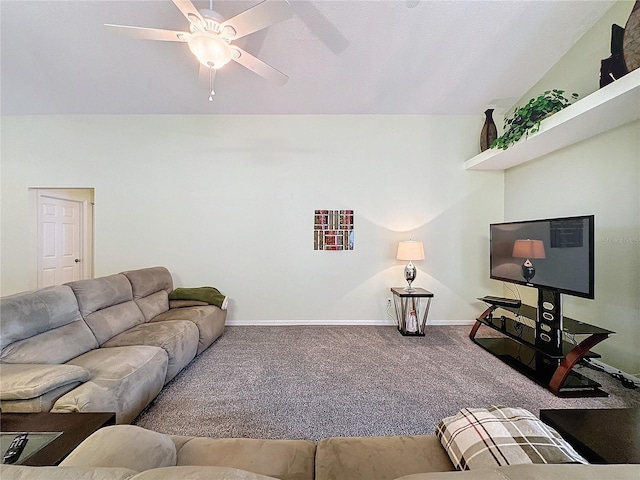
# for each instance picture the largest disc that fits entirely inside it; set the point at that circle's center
(210, 36)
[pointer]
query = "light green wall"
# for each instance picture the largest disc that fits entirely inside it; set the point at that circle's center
(599, 176)
(228, 201)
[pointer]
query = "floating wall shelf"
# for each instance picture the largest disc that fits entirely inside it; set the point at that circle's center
(612, 106)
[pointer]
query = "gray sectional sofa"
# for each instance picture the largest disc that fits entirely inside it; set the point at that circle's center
(126, 452)
(103, 345)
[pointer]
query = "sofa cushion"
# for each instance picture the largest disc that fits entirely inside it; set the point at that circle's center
(109, 322)
(43, 403)
(154, 304)
(107, 305)
(199, 473)
(151, 287)
(99, 293)
(178, 338)
(478, 438)
(146, 281)
(43, 326)
(538, 472)
(24, 381)
(19, 472)
(124, 380)
(209, 320)
(283, 459)
(124, 446)
(383, 458)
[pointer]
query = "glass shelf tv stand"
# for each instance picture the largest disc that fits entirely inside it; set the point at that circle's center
(551, 365)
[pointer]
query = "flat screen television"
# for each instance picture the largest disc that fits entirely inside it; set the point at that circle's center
(553, 254)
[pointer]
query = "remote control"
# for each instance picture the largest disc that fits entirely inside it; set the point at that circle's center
(15, 449)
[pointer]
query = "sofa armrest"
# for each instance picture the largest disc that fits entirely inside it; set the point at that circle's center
(22, 381)
(125, 446)
(537, 471)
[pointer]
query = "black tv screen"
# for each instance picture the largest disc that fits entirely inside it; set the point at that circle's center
(555, 254)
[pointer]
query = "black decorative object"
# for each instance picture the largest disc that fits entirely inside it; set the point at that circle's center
(613, 68)
(489, 131)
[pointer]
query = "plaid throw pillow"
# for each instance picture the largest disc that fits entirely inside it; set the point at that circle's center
(485, 438)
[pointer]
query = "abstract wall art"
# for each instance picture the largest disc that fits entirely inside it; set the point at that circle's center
(333, 230)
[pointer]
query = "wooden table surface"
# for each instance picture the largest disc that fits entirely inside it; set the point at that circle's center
(608, 435)
(75, 427)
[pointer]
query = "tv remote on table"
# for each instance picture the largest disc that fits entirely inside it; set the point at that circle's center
(15, 449)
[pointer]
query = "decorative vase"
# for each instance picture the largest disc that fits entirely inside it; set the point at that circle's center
(489, 131)
(631, 40)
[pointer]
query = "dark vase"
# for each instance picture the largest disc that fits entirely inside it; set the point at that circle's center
(489, 131)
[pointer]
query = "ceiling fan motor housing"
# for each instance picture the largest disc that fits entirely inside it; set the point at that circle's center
(213, 20)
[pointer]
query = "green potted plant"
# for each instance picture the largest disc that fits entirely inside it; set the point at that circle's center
(526, 120)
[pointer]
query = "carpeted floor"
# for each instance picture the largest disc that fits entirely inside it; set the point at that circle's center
(312, 382)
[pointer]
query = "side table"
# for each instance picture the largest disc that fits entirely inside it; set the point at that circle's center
(412, 309)
(72, 429)
(606, 435)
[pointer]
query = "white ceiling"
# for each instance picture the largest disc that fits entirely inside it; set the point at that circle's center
(342, 57)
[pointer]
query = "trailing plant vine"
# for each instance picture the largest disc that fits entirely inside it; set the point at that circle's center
(526, 120)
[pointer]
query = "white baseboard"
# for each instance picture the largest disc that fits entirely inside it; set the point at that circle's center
(283, 323)
(458, 323)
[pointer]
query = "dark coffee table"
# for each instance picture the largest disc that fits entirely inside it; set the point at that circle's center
(74, 428)
(599, 435)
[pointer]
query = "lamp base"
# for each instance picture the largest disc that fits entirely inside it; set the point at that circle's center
(409, 275)
(528, 270)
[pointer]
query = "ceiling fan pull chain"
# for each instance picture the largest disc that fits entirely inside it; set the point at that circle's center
(212, 74)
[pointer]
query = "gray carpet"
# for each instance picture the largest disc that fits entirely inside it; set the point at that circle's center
(314, 382)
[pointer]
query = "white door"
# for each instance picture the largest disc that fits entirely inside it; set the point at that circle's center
(60, 240)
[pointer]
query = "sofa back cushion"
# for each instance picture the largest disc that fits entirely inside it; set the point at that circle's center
(126, 446)
(151, 288)
(107, 305)
(43, 326)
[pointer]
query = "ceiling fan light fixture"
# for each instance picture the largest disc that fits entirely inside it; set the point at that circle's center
(210, 50)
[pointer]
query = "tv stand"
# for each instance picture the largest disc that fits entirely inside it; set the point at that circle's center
(540, 352)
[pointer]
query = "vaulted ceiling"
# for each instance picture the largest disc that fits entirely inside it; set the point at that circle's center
(342, 57)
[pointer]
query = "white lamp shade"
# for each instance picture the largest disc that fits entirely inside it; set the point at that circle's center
(410, 250)
(528, 249)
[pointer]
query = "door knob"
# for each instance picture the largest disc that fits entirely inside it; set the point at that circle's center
(77, 260)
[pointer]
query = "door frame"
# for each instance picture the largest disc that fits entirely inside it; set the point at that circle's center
(83, 196)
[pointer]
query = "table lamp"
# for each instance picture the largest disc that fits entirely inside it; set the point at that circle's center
(528, 249)
(410, 250)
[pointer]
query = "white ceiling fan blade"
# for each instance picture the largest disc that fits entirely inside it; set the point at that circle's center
(256, 18)
(190, 12)
(143, 33)
(258, 66)
(320, 26)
